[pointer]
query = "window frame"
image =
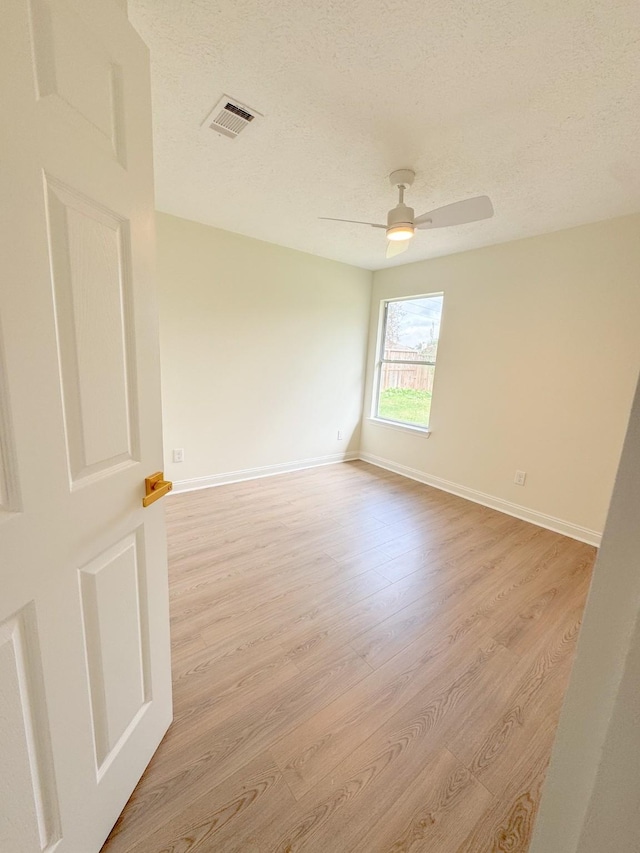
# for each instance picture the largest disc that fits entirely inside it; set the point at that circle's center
(381, 361)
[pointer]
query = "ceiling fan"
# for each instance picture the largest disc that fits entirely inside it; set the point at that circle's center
(402, 223)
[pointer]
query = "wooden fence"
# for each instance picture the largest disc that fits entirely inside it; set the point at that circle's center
(418, 377)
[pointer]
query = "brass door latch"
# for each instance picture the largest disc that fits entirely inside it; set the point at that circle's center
(155, 487)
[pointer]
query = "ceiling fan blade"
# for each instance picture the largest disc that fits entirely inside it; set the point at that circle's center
(458, 213)
(396, 247)
(353, 221)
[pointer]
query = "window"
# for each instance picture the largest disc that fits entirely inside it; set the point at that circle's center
(407, 360)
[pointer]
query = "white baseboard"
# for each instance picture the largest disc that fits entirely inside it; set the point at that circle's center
(558, 525)
(264, 471)
(567, 528)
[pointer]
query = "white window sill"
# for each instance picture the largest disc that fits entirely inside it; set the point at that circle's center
(425, 432)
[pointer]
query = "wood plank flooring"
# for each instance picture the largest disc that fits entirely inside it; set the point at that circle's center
(362, 664)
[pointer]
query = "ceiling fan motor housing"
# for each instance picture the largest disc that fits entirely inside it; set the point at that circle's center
(401, 214)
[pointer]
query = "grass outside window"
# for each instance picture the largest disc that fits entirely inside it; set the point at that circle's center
(405, 405)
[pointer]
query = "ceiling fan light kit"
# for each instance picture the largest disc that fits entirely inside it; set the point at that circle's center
(400, 232)
(402, 222)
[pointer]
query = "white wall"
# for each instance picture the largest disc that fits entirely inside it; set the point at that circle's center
(591, 797)
(538, 358)
(263, 351)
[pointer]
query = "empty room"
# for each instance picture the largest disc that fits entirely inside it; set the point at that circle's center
(320, 429)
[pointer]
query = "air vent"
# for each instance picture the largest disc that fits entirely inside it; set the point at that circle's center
(230, 117)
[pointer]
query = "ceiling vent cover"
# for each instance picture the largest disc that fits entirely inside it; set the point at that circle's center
(230, 117)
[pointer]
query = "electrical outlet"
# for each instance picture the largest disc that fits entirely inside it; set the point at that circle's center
(178, 454)
(520, 478)
(339, 435)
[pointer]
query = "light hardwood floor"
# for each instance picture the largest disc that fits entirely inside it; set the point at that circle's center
(362, 664)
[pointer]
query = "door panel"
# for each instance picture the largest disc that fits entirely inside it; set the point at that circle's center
(117, 645)
(27, 792)
(62, 43)
(85, 688)
(89, 248)
(9, 496)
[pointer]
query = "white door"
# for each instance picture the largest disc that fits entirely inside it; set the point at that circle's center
(85, 691)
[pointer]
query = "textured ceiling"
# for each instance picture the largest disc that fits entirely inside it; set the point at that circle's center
(536, 104)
